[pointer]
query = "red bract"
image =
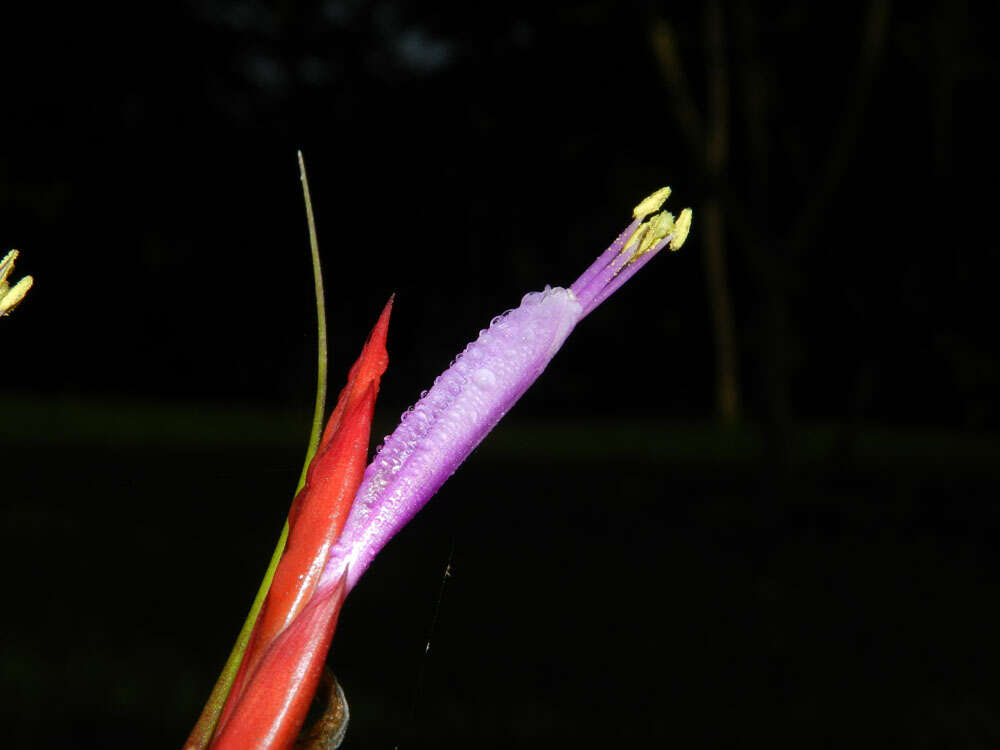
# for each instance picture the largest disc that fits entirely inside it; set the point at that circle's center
(275, 702)
(280, 669)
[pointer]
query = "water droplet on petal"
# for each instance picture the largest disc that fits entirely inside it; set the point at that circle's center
(484, 378)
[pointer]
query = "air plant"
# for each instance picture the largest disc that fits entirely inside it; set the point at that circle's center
(341, 518)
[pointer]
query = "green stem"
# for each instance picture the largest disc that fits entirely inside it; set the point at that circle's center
(321, 367)
(205, 727)
(209, 718)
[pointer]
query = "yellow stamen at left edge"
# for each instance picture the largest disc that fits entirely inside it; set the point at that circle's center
(11, 296)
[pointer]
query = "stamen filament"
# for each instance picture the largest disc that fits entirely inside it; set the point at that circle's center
(606, 257)
(620, 279)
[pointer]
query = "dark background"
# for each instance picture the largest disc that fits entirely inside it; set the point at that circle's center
(753, 500)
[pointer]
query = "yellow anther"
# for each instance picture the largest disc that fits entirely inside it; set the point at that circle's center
(7, 265)
(681, 228)
(659, 227)
(651, 203)
(10, 299)
(637, 235)
(11, 296)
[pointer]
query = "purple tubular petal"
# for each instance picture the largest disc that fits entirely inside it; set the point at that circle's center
(466, 402)
(449, 421)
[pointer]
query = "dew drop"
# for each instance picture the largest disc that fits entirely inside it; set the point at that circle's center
(484, 378)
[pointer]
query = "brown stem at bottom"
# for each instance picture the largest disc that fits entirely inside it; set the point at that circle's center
(326, 724)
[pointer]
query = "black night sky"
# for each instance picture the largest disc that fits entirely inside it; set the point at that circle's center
(752, 501)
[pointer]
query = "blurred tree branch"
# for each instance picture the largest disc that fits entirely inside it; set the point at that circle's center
(839, 155)
(714, 150)
(725, 207)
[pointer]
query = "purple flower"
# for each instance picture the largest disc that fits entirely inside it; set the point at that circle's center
(482, 384)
